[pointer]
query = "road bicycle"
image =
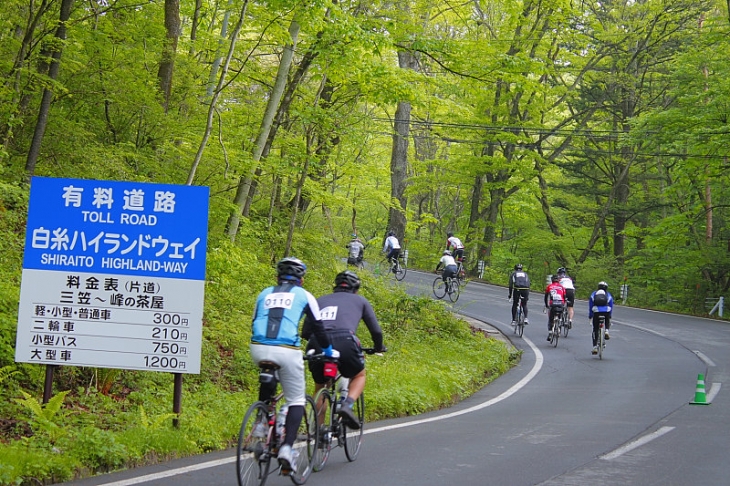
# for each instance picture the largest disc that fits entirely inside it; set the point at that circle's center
(519, 322)
(555, 333)
(601, 338)
(460, 271)
(394, 266)
(450, 287)
(262, 433)
(564, 323)
(333, 431)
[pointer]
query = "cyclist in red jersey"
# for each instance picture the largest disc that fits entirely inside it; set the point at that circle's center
(555, 301)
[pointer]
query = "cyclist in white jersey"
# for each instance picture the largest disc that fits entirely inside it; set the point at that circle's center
(455, 245)
(569, 286)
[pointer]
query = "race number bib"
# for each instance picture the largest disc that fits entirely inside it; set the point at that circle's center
(329, 313)
(277, 300)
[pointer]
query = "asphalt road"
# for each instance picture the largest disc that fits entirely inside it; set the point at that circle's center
(561, 417)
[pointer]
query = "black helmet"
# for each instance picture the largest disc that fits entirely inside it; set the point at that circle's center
(347, 280)
(449, 234)
(291, 267)
(391, 233)
(561, 271)
(518, 266)
(602, 285)
(554, 278)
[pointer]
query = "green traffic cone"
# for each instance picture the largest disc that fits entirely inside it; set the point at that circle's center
(700, 396)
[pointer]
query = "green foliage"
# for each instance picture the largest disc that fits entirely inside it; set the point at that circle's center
(47, 417)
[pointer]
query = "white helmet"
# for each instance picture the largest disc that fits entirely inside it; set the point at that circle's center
(447, 252)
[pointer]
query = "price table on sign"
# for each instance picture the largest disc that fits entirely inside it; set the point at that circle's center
(113, 275)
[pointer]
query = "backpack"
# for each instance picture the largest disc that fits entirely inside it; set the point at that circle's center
(600, 298)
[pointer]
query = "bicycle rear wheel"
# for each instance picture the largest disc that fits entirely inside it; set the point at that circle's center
(252, 456)
(520, 322)
(454, 290)
(555, 336)
(564, 324)
(601, 340)
(323, 401)
(400, 271)
(306, 443)
(353, 438)
(439, 288)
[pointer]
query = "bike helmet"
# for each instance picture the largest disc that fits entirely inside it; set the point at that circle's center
(391, 233)
(447, 252)
(561, 271)
(602, 285)
(555, 278)
(289, 267)
(449, 234)
(354, 236)
(347, 280)
(518, 266)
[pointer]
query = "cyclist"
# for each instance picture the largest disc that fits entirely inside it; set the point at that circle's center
(342, 311)
(275, 338)
(600, 304)
(519, 284)
(569, 285)
(455, 245)
(357, 250)
(391, 247)
(555, 301)
(449, 264)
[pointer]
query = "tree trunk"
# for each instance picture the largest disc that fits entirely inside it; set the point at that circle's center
(215, 95)
(167, 64)
(399, 156)
(45, 108)
(245, 181)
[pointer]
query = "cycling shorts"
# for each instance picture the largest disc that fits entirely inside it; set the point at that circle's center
(351, 360)
(570, 297)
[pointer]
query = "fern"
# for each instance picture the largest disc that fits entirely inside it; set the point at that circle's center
(44, 416)
(7, 372)
(146, 423)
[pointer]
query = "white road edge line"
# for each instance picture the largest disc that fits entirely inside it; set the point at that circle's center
(636, 443)
(706, 359)
(205, 465)
(714, 390)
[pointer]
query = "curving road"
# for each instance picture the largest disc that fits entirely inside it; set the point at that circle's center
(561, 417)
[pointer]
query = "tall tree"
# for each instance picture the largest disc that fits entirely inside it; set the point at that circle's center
(45, 108)
(167, 62)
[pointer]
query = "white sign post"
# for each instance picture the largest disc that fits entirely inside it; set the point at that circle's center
(113, 275)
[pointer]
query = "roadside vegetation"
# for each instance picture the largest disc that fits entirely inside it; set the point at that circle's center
(99, 420)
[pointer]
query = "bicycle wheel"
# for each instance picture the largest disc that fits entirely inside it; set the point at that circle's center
(601, 341)
(306, 443)
(439, 288)
(564, 324)
(454, 290)
(323, 401)
(400, 271)
(555, 336)
(252, 456)
(520, 322)
(353, 438)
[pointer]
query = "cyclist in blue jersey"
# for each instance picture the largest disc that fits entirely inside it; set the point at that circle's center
(600, 303)
(342, 311)
(275, 337)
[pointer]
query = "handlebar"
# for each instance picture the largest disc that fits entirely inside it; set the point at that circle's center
(311, 356)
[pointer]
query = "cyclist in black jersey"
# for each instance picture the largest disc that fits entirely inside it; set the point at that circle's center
(519, 284)
(342, 311)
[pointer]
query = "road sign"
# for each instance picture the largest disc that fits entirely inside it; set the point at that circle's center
(113, 275)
